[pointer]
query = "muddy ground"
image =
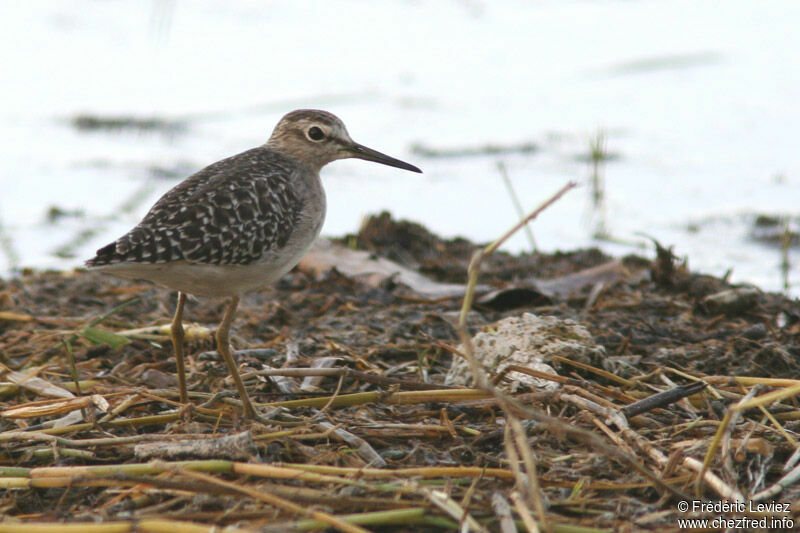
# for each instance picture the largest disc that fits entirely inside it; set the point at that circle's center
(658, 324)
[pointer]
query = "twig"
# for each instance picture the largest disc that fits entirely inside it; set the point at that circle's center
(441, 500)
(503, 511)
(378, 518)
(517, 205)
(524, 512)
(663, 398)
(347, 373)
(276, 501)
(764, 399)
(508, 405)
(238, 446)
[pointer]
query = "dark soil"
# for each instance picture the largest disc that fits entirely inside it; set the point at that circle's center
(658, 319)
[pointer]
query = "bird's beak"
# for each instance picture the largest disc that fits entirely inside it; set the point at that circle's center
(368, 154)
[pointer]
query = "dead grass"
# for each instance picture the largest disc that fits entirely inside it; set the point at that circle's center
(363, 435)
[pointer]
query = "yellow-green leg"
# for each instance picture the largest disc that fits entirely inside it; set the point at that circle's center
(223, 344)
(177, 344)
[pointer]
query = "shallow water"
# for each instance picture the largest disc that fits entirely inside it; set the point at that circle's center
(697, 103)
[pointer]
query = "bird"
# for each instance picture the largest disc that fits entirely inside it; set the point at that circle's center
(237, 225)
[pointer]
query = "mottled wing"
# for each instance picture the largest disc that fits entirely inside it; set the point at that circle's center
(232, 212)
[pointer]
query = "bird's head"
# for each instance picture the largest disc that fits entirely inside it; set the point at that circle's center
(317, 137)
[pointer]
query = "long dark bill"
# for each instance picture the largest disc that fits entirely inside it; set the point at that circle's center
(368, 154)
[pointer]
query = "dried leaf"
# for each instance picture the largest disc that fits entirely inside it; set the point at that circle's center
(35, 384)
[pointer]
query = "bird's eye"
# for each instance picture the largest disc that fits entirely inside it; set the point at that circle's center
(315, 134)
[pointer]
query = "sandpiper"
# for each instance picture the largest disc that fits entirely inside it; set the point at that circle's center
(238, 224)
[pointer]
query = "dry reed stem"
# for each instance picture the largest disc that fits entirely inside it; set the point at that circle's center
(423, 472)
(650, 444)
(392, 398)
(133, 526)
(378, 518)
(506, 403)
(524, 512)
(599, 371)
(502, 509)
(479, 375)
(441, 500)
(745, 403)
(535, 495)
(276, 501)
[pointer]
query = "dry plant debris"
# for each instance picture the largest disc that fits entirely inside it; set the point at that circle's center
(364, 435)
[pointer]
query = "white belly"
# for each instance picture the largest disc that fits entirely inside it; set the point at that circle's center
(204, 279)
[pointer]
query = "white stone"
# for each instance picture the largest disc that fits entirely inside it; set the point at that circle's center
(529, 341)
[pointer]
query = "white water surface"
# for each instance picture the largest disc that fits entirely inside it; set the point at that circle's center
(698, 99)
